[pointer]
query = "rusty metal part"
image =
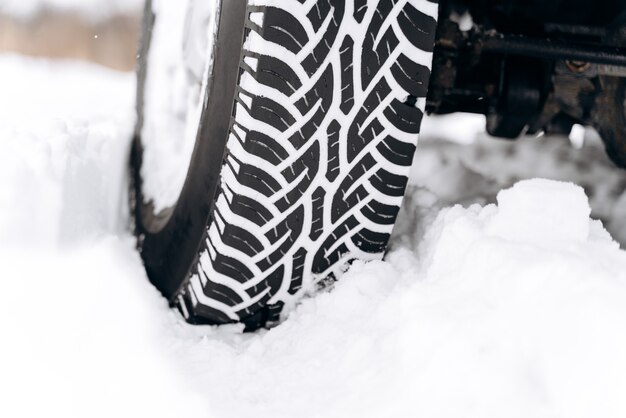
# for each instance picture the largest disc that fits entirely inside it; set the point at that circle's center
(552, 50)
(578, 66)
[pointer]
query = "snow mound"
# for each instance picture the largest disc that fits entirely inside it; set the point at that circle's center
(483, 322)
(536, 219)
(513, 309)
(542, 212)
(65, 130)
(445, 173)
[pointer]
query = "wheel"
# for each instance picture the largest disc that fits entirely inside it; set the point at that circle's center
(273, 145)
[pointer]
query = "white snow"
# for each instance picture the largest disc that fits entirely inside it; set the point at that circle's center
(176, 79)
(64, 130)
(74, 342)
(445, 173)
(542, 212)
(512, 305)
(447, 127)
(92, 10)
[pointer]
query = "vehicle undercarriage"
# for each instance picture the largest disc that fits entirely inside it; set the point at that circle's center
(534, 66)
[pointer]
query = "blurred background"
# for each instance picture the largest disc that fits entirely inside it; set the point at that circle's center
(104, 32)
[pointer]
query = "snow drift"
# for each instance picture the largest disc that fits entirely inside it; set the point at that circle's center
(514, 308)
(500, 314)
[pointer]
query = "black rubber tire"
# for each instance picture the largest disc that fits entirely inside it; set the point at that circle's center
(302, 157)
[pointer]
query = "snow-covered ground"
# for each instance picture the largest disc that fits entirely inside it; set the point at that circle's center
(512, 305)
(445, 173)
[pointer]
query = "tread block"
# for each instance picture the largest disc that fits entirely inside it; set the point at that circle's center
(338, 127)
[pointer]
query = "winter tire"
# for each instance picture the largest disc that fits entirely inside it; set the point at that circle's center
(307, 133)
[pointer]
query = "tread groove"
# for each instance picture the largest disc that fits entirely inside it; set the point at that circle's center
(325, 160)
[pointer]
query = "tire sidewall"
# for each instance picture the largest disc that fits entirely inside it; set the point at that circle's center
(169, 242)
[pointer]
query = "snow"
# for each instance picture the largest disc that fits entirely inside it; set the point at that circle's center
(512, 303)
(175, 82)
(74, 344)
(446, 174)
(92, 10)
(64, 131)
(542, 212)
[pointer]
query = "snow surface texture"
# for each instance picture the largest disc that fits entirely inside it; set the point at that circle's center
(175, 82)
(64, 132)
(445, 174)
(512, 307)
(92, 10)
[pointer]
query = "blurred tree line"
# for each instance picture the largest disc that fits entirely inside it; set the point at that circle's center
(111, 42)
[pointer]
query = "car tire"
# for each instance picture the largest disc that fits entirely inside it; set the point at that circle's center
(302, 156)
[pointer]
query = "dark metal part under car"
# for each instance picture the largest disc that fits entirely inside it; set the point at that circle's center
(534, 66)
